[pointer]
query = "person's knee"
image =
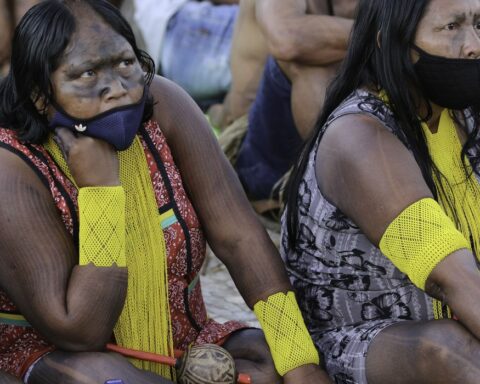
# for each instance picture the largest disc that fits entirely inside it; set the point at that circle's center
(442, 342)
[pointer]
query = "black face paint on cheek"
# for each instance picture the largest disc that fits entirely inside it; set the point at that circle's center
(96, 47)
(138, 76)
(108, 77)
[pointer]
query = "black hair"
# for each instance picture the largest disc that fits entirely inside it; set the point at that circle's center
(39, 41)
(379, 56)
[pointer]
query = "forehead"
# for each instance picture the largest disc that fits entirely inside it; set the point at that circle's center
(440, 9)
(92, 39)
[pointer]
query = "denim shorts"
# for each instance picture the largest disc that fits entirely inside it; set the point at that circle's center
(272, 142)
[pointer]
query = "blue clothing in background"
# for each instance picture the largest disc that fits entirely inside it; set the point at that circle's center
(196, 49)
(272, 142)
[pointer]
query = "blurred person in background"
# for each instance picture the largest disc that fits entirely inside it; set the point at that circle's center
(290, 65)
(190, 42)
(247, 59)
(11, 11)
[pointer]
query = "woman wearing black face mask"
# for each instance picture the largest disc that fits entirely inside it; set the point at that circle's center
(381, 235)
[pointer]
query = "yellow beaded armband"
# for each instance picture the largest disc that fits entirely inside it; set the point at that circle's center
(288, 338)
(102, 226)
(419, 238)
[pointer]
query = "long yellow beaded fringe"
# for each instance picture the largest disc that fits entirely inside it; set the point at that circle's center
(458, 190)
(144, 323)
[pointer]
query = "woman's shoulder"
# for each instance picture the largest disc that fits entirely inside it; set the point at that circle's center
(180, 119)
(19, 166)
(171, 103)
(363, 102)
(23, 162)
(361, 116)
(10, 143)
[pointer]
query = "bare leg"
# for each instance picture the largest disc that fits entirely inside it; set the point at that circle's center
(247, 60)
(7, 379)
(434, 352)
(248, 348)
(309, 85)
(89, 368)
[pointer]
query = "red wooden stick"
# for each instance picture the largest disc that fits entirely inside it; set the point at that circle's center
(146, 356)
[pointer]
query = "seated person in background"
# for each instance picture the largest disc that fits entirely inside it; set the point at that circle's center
(381, 235)
(110, 184)
(11, 11)
(306, 39)
(190, 42)
(5, 36)
(247, 59)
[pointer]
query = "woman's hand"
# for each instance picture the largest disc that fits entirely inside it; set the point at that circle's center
(307, 374)
(456, 282)
(92, 162)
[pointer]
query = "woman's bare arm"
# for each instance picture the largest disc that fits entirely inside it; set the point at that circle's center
(5, 378)
(294, 35)
(366, 171)
(231, 227)
(74, 307)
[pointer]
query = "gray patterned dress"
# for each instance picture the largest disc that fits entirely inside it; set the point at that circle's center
(347, 289)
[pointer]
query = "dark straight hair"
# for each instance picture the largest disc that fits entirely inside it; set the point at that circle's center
(39, 41)
(379, 56)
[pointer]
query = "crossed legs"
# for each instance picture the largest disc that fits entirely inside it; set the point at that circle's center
(89, 368)
(248, 347)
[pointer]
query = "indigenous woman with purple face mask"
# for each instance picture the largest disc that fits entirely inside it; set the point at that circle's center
(381, 235)
(110, 184)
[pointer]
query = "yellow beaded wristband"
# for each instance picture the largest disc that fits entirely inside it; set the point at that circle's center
(285, 331)
(102, 226)
(419, 238)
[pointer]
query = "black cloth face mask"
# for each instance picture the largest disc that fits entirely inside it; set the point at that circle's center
(449, 83)
(117, 126)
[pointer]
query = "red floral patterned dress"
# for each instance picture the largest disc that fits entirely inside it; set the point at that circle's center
(21, 345)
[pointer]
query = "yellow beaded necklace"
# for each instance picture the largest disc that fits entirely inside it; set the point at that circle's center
(144, 323)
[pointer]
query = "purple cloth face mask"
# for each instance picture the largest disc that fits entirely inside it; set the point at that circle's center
(117, 126)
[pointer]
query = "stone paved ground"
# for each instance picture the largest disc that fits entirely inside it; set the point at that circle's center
(221, 296)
